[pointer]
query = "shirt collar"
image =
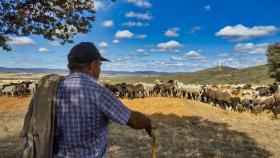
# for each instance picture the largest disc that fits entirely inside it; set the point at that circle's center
(82, 75)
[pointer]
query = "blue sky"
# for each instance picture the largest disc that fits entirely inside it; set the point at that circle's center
(173, 36)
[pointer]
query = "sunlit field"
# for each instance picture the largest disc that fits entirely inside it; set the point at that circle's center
(186, 129)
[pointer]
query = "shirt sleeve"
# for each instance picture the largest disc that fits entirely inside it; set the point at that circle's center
(113, 108)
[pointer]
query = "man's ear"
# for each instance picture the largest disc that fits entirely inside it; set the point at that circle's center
(93, 63)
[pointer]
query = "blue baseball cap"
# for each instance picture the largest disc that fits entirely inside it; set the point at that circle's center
(85, 52)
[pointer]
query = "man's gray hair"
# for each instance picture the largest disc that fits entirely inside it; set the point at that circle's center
(77, 66)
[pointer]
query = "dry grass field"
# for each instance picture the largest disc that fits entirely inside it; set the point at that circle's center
(6, 78)
(186, 129)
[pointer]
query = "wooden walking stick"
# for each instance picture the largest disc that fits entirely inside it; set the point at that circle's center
(154, 151)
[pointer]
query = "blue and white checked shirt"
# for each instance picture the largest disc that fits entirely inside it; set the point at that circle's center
(81, 119)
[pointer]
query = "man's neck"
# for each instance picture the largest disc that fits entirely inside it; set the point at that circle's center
(76, 71)
(81, 71)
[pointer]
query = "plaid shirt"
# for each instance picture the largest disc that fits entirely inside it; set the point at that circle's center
(81, 119)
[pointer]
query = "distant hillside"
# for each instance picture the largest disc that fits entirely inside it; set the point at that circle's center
(63, 71)
(135, 73)
(215, 75)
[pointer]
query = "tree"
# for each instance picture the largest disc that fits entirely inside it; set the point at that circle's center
(273, 59)
(55, 19)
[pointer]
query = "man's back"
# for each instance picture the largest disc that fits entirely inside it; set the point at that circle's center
(82, 112)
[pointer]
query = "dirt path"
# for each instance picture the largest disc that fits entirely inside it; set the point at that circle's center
(187, 129)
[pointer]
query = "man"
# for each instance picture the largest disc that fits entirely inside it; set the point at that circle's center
(83, 108)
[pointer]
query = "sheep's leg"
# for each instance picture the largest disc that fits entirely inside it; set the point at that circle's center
(199, 97)
(191, 96)
(196, 95)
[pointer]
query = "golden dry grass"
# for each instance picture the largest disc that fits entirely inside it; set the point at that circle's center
(12, 112)
(186, 129)
(263, 129)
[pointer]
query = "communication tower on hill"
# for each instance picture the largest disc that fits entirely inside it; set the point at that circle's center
(220, 65)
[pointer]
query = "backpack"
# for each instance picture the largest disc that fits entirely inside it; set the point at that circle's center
(39, 120)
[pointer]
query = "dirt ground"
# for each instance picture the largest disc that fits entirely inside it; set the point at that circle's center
(186, 129)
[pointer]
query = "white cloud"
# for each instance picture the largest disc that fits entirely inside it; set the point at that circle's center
(135, 24)
(207, 7)
(133, 55)
(173, 58)
(116, 41)
(163, 63)
(194, 30)
(173, 32)
(159, 62)
(222, 55)
(196, 64)
(193, 53)
(141, 16)
(251, 48)
(171, 45)
(54, 43)
(140, 50)
(102, 44)
(140, 3)
(252, 61)
(230, 59)
(108, 23)
(21, 41)
(103, 53)
(43, 50)
(240, 32)
(98, 5)
(174, 64)
(124, 34)
(142, 36)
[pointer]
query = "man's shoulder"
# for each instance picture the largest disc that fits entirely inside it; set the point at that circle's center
(80, 80)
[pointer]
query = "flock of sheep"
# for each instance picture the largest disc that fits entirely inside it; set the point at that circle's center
(239, 97)
(18, 89)
(236, 97)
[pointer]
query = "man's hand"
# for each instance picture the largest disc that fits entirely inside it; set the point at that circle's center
(153, 125)
(138, 120)
(21, 144)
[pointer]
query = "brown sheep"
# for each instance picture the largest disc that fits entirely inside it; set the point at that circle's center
(234, 102)
(268, 101)
(275, 111)
(223, 99)
(256, 109)
(240, 108)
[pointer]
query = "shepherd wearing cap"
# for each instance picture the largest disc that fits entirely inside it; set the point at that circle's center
(82, 110)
